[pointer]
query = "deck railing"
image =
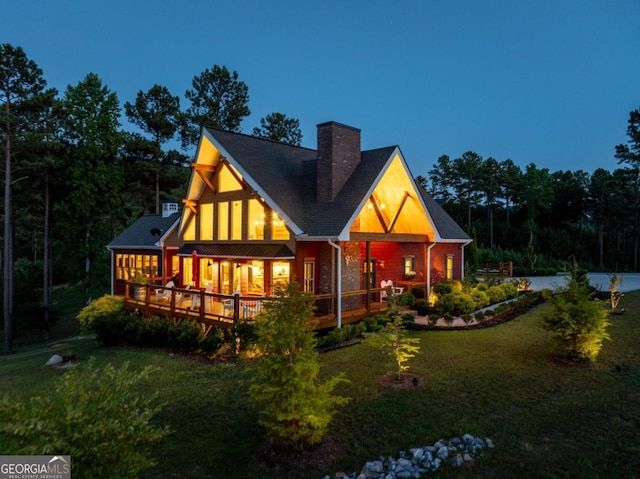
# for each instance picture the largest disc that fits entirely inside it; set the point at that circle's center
(220, 310)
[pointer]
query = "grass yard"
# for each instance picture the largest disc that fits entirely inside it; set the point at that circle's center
(547, 419)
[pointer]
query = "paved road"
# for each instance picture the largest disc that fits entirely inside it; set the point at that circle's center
(601, 281)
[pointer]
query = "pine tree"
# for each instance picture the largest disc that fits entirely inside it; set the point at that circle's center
(294, 405)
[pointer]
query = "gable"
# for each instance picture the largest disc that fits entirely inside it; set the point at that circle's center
(394, 205)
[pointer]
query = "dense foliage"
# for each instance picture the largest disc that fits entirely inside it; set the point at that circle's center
(295, 406)
(578, 322)
(94, 414)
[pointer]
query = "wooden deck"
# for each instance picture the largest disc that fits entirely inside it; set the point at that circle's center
(213, 310)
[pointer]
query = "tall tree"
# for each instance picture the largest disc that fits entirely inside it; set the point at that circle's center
(511, 180)
(467, 170)
(218, 99)
(156, 113)
(630, 154)
(600, 194)
(91, 128)
(491, 187)
(23, 95)
(277, 127)
(536, 191)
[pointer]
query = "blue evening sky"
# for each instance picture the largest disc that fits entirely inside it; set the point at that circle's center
(549, 82)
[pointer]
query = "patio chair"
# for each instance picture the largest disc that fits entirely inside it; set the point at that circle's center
(389, 289)
(163, 293)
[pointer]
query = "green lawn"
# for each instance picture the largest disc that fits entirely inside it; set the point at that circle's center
(548, 420)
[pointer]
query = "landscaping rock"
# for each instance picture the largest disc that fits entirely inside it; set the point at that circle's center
(420, 460)
(53, 360)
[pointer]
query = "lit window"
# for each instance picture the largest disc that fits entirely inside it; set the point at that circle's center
(309, 275)
(279, 230)
(449, 268)
(223, 221)
(189, 232)
(227, 181)
(236, 220)
(128, 266)
(206, 221)
(408, 266)
(255, 277)
(279, 275)
(255, 224)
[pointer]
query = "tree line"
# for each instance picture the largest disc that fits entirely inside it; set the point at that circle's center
(542, 216)
(75, 177)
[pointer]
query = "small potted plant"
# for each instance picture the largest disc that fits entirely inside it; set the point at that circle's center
(139, 288)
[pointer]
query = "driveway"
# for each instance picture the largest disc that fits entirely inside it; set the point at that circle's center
(601, 281)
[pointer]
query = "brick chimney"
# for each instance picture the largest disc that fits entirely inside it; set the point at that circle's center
(338, 157)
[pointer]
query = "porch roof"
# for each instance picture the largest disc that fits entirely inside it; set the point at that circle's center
(239, 251)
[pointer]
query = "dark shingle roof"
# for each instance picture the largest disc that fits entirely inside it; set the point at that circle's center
(446, 226)
(277, 168)
(139, 234)
(288, 175)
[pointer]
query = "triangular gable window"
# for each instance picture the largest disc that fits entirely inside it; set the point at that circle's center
(394, 206)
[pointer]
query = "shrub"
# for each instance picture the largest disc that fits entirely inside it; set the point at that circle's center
(448, 318)
(405, 299)
(442, 288)
(422, 307)
(480, 298)
(510, 290)
(212, 342)
(101, 308)
(109, 329)
(482, 286)
(496, 294)
(185, 336)
(91, 414)
(408, 319)
(578, 323)
(375, 322)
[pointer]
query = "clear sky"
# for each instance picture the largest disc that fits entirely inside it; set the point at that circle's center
(549, 82)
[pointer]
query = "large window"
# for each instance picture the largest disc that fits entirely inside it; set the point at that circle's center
(128, 266)
(206, 221)
(255, 222)
(223, 221)
(279, 275)
(236, 220)
(255, 277)
(279, 230)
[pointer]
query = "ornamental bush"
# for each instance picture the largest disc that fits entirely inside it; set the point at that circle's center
(100, 309)
(578, 323)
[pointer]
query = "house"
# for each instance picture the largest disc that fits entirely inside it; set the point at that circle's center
(148, 247)
(337, 220)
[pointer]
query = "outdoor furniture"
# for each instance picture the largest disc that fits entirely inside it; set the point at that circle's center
(251, 307)
(389, 289)
(163, 293)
